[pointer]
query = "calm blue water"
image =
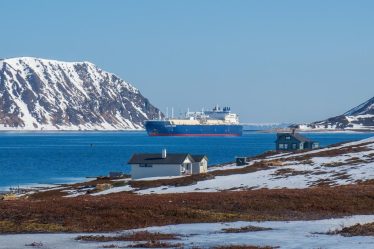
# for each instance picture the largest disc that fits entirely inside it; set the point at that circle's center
(44, 158)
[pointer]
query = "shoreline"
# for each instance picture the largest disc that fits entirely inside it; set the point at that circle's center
(66, 181)
(69, 131)
(31, 187)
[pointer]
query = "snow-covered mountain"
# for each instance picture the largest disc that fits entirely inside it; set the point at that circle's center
(39, 94)
(358, 118)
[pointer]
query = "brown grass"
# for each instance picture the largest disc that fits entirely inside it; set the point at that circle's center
(245, 229)
(333, 164)
(266, 154)
(286, 172)
(128, 211)
(156, 244)
(262, 165)
(243, 247)
(332, 152)
(75, 186)
(183, 181)
(136, 236)
(356, 230)
(323, 183)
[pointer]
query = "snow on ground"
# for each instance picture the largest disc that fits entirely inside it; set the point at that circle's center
(112, 190)
(285, 234)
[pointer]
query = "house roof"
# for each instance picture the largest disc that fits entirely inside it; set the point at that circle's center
(199, 158)
(297, 136)
(171, 158)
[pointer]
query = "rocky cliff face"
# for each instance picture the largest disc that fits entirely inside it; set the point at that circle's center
(38, 94)
(358, 118)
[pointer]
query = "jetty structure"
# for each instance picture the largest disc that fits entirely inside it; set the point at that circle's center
(165, 164)
(215, 122)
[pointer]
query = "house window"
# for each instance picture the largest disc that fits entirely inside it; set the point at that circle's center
(294, 146)
(286, 146)
(288, 137)
(145, 165)
(281, 146)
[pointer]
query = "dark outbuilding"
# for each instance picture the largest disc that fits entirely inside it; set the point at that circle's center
(294, 141)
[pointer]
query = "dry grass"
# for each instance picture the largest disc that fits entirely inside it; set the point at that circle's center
(262, 165)
(323, 183)
(286, 172)
(33, 225)
(75, 186)
(183, 181)
(128, 211)
(156, 244)
(136, 236)
(332, 152)
(333, 164)
(245, 229)
(111, 246)
(356, 230)
(243, 247)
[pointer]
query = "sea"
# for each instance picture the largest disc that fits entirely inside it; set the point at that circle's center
(44, 158)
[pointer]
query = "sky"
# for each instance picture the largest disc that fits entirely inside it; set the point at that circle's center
(270, 61)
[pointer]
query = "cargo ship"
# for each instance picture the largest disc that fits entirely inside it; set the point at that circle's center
(216, 122)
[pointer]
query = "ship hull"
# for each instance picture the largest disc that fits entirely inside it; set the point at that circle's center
(165, 128)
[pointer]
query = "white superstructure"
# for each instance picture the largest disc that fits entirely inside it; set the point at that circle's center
(215, 116)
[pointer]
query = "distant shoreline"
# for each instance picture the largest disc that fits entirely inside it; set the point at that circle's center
(143, 130)
(316, 131)
(67, 131)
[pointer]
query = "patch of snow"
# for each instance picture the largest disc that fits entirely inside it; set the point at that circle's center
(285, 234)
(114, 190)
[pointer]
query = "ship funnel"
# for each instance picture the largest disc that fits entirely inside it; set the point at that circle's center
(163, 153)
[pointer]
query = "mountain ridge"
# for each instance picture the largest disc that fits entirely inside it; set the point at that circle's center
(42, 94)
(360, 117)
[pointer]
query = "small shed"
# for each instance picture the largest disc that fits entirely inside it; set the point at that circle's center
(294, 141)
(241, 161)
(166, 164)
(200, 164)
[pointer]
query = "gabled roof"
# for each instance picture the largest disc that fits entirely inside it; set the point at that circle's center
(199, 158)
(171, 158)
(297, 136)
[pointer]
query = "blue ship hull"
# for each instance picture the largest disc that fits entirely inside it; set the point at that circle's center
(165, 128)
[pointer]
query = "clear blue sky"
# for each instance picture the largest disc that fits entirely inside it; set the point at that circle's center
(290, 61)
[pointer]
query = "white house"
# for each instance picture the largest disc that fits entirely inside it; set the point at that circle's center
(164, 164)
(200, 164)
